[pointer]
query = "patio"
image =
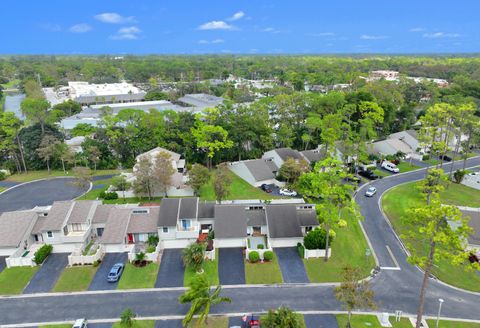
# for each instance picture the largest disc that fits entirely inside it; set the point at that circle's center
(255, 241)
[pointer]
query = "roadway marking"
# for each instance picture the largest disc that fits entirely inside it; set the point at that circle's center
(396, 267)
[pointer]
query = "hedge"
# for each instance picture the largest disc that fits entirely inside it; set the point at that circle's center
(301, 250)
(42, 253)
(253, 257)
(268, 256)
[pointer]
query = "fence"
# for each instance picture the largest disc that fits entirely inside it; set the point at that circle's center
(76, 258)
(315, 253)
(152, 257)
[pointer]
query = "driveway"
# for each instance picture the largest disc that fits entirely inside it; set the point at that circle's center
(2, 263)
(171, 269)
(231, 266)
(320, 321)
(46, 277)
(291, 265)
(99, 281)
(39, 193)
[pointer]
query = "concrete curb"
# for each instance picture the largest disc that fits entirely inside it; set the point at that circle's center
(231, 314)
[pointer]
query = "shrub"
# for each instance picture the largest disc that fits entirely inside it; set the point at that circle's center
(150, 249)
(425, 157)
(3, 175)
(342, 223)
(260, 246)
(253, 257)
(316, 239)
(153, 240)
(127, 318)
(301, 250)
(42, 253)
(110, 195)
(97, 263)
(268, 256)
(459, 175)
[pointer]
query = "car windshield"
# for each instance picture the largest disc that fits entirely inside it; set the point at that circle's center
(371, 189)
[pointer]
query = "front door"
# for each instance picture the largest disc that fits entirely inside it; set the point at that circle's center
(100, 232)
(130, 238)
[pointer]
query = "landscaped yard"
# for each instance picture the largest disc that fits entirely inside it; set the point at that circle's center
(406, 166)
(395, 204)
(300, 316)
(263, 273)
(239, 189)
(136, 324)
(348, 248)
(453, 324)
(138, 277)
(75, 278)
(369, 321)
(213, 322)
(14, 280)
(35, 175)
(381, 173)
(210, 271)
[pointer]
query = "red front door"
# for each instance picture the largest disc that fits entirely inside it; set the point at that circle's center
(130, 238)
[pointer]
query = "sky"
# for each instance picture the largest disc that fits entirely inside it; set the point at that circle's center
(239, 26)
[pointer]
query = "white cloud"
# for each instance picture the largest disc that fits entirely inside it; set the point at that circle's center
(321, 34)
(373, 37)
(80, 28)
(416, 29)
(127, 33)
(271, 30)
(437, 35)
(216, 25)
(238, 15)
(216, 41)
(114, 18)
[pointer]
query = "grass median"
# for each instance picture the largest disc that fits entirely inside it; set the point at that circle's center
(14, 280)
(76, 278)
(395, 204)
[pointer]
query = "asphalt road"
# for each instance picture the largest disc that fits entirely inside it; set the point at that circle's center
(396, 286)
(38, 193)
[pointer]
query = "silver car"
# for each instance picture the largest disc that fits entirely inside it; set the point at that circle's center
(370, 191)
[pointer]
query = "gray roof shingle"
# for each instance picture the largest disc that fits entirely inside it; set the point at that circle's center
(101, 213)
(255, 217)
(474, 223)
(144, 223)
(259, 169)
(206, 210)
(116, 226)
(168, 212)
(15, 225)
(81, 211)
(286, 153)
(57, 215)
(188, 208)
(285, 220)
(230, 221)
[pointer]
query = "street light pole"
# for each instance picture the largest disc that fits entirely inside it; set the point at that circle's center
(440, 302)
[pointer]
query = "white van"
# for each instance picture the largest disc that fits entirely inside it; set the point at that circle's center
(389, 166)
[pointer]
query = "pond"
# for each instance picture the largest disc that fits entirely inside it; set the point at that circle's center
(12, 104)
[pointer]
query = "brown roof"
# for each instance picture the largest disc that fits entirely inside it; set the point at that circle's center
(144, 223)
(81, 211)
(14, 226)
(116, 226)
(101, 213)
(56, 215)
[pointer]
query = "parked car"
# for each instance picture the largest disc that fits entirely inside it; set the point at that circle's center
(115, 272)
(370, 191)
(369, 174)
(251, 321)
(288, 192)
(80, 323)
(445, 158)
(266, 188)
(389, 166)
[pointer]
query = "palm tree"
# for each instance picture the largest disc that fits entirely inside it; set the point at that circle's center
(127, 318)
(201, 298)
(194, 256)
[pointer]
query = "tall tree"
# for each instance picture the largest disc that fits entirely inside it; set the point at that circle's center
(221, 182)
(83, 177)
(144, 180)
(163, 171)
(198, 176)
(291, 169)
(36, 111)
(120, 183)
(47, 149)
(94, 156)
(201, 299)
(353, 292)
(64, 153)
(211, 139)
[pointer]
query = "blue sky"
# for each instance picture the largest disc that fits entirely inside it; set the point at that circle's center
(248, 26)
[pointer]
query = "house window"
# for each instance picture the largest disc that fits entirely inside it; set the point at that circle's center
(49, 234)
(308, 229)
(186, 224)
(165, 229)
(140, 211)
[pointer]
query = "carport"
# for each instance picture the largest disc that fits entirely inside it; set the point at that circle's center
(231, 266)
(46, 277)
(171, 269)
(99, 281)
(291, 265)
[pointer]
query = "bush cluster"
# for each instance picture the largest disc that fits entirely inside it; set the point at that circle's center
(42, 253)
(268, 256)
(260, 246)
(316, 239)
(3, 175)
(253, 257)
(108, 195)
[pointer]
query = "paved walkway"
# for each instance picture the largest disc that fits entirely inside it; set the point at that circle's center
(47, 275)
(291, 265)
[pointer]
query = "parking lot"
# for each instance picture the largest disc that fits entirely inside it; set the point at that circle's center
(171, 269)
(99, 281)
(46, 277)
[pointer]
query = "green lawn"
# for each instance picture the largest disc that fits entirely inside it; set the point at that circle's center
(57, 326)
(263, 273)
(2, 189)
(11, 84)
(135, 277)
(406, 167)
(35, 175)
(300, 316)
(136, 324)
(213, 322)
(14, 280)
(132, 200)
(348, 248)
(239, 189)
(76, 278)
(395, 204)
(210, 270)
(381, 173)
(369, 321)
(453, 324)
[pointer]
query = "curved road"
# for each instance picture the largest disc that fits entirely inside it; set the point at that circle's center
(38, 193)
(396, 286)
